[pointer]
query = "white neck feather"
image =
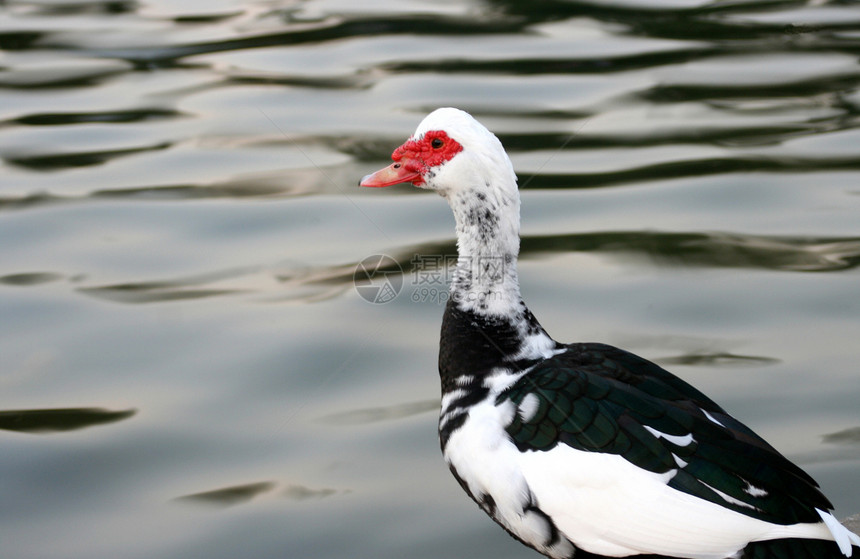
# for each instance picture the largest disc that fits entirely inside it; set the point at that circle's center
(488, 243)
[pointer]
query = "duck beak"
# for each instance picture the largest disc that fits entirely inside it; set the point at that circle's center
(393, 174)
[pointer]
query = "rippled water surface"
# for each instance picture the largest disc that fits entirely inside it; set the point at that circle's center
(186, 369)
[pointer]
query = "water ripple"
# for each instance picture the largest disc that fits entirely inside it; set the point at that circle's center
(722, 250)
(181, 226)
(229, 496)
(116, 117)
(846, 436)
(61, 161)
(59, 419)
(318, 283)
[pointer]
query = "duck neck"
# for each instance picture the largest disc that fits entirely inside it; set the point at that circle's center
(488, 241)
(487, 325)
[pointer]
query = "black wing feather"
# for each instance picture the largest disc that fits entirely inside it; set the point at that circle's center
(598, 398)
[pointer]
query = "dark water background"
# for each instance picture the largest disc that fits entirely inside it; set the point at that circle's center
(185, 367)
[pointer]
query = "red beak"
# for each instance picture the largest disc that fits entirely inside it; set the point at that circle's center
(393, 174)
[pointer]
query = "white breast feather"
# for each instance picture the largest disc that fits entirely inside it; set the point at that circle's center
(484, 458)
(608, 506)
(601, 502)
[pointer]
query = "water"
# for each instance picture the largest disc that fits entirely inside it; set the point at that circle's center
(186, 369)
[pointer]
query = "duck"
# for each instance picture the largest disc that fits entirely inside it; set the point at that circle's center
(585, 450)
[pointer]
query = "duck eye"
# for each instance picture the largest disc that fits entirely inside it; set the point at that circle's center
(436, 143)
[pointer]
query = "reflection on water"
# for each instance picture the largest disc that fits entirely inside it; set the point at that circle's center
(714, 249)
(717, 359)
(310, 284)
(30, 278)
(846, 436)
(54, 420)
(241, 494)
(301, 493)
(180, 227)
(228, 496)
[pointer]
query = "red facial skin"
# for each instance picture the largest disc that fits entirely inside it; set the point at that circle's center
(414, 158)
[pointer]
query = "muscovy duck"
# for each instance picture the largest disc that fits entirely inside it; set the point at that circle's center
(585, 450)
